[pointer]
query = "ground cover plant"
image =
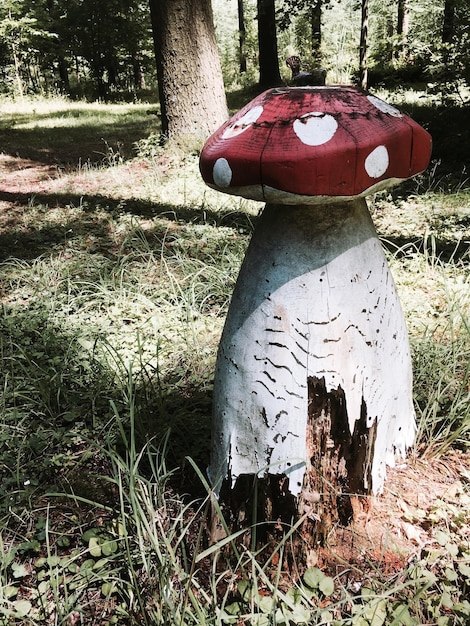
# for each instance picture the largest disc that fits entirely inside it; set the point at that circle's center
(117, 266)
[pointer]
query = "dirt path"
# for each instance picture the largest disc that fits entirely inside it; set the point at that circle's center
(23, 176)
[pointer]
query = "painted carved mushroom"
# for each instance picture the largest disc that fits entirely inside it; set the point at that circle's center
(313, 379)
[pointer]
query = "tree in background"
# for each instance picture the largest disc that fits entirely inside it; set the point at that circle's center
(105, 49)
(190, 84)
(363, 75)
(70, 45)
(448, 22)
(20, 32)
(402, 28)
(111, 36)
(269, 74)
(315, 23)
(306, 16)
(241, 36)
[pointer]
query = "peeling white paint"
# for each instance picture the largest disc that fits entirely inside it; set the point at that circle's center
(245, 122)
(314, 297)
(384, 106)
(315, 129)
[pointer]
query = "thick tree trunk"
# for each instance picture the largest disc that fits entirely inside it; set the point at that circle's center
(313, 389)
(269, 75)
(192, 96)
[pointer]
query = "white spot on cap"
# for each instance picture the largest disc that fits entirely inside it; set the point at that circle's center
(384, 106)
(315, 129)
(221, 173)
(377, 162)
(245, 122)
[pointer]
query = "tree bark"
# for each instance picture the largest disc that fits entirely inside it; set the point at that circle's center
(190, 84)
(402, 27)
(63, 74)
(448, 23)
(363, 78)
(316, 31)
(269, 74)
(241, 37)
(16, 62)
(313, 386)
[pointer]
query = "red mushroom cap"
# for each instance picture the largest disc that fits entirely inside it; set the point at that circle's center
(307, 144)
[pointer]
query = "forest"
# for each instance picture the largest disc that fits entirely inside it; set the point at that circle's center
(106, 50)
(125, 279)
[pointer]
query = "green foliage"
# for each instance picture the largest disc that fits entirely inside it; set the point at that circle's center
(77, 47)
(105, 50)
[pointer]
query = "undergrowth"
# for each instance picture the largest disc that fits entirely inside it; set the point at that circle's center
(111, 311)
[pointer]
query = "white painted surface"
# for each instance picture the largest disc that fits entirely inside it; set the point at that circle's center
(222, 173)
(314, 297)
(376, 164)
(315, 129)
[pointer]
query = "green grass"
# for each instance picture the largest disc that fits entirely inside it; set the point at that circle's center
(115, 281)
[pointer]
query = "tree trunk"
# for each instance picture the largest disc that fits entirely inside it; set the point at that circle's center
(190, 85)
(63, 74)
(313, 386)
(363, 79)
(241, 37)
(138, 76)
(402, 27)
(269, 75)
(448, 24)
(316, 31)
(16, 62)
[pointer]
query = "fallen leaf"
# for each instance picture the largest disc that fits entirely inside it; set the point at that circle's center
(412, 532)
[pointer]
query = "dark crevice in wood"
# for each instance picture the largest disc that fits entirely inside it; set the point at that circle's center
(262, 501)
(340, 462)
(337, 479)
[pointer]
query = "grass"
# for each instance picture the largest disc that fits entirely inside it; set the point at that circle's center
(116, 274)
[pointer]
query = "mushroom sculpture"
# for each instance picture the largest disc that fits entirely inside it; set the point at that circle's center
(313, 383)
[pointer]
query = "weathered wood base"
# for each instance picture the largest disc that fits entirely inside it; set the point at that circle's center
(313, 386)
(338, 467)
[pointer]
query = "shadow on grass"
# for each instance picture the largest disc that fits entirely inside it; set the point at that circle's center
(59, 401)
(19, 242)
(28, 243)
(446, 251)
(34, 135)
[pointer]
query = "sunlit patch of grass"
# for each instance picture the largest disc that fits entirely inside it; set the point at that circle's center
(428, 241)
(60, 112)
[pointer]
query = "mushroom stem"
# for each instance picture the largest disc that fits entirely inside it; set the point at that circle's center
(315, 311)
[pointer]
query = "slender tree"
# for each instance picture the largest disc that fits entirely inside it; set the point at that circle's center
(241, 36)
(190, 84)
(448, 22)
(269, 74)
(315, 20)
(402, 27)
(363, 78)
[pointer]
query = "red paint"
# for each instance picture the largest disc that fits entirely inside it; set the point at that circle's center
(269, 152)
